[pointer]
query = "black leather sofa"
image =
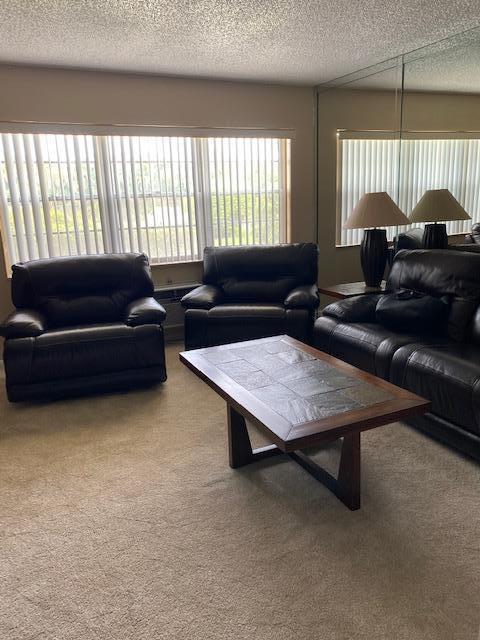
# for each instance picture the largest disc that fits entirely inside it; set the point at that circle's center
(441, 364)
(413, 239)
(253, 292)
(81, 325)
(473, 238)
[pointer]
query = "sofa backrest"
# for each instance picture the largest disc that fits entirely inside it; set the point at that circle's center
(410, 239)
(455, 274)
(260, 273)
(81, 289)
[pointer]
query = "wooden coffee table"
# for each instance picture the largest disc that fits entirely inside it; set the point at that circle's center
(300, 397)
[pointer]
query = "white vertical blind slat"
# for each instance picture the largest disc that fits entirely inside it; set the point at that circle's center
(162, 181)
(14, 198)
(83, 202)
(252, 189)
(34, 197)
(237, 193)
(40, 165)
(193, 253)
(213, 144)
(24, 197)
(12, 249)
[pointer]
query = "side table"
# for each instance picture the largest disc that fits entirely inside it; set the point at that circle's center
(349, 289)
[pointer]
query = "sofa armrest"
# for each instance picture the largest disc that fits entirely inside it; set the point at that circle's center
(205, 296)
(356, 309)
(144, 311)
(303, 297)
(23, 323)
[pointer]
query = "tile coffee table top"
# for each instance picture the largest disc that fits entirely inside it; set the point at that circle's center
(292, 382)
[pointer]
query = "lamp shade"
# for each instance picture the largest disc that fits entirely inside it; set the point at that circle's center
(375, 210)
(438, 205)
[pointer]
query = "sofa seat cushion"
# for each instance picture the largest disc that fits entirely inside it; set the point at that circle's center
(447, 375)
(366, 345)
(83, 351)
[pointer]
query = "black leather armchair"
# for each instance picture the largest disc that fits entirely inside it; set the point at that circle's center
(253, 292)
(81, 325)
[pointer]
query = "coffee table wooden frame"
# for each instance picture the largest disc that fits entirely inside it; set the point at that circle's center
(291, 439)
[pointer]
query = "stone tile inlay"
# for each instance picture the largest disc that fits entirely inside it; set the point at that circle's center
(294, 384)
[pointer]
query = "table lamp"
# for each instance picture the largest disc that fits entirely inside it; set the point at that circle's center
(437, 205)
(374, 210)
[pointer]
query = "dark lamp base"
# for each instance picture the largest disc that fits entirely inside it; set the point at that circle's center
(435, 236)
(373, 256)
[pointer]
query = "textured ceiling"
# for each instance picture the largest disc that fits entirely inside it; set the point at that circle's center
(452, 66)
(298, 41)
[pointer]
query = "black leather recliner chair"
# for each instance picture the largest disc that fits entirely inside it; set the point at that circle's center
(82, 324)
(253, 292)
(442, 363)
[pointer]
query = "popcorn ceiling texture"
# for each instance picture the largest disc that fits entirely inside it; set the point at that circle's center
(293, 41)
(120, 519)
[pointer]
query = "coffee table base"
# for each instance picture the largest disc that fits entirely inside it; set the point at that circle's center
(346, 486)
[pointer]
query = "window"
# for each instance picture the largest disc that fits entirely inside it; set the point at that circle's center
(167, 196)
(405, 170)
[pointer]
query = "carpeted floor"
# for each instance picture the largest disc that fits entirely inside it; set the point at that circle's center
(120, 519)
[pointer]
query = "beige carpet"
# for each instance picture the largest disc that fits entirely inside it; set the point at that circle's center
(120, 519)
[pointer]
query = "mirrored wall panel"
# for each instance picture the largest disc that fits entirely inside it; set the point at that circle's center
(409, 127)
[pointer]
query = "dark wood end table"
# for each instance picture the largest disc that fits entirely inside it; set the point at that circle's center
(349, 290)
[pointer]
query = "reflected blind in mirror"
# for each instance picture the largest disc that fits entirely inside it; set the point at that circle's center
(405, 170)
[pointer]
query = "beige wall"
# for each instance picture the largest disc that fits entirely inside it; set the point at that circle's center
(363, 109)
(104, 98)
(54, 95)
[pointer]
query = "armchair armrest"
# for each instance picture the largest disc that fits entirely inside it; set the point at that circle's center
(303, 297)
(356, 309)
(23, 323)
(144, 311)
(205, 296)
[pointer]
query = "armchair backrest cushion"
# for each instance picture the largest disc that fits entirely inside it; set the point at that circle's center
(441, 273)
(81, 289)
(260, 273)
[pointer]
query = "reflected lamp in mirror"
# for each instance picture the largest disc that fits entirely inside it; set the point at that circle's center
(437, 205)
(374, 210)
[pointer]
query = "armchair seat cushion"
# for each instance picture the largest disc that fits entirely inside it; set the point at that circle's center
(253, 311)
(83, 351)
(233, 323)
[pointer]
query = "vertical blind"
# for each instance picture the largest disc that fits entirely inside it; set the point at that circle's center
(405, 170)
(167, 196)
